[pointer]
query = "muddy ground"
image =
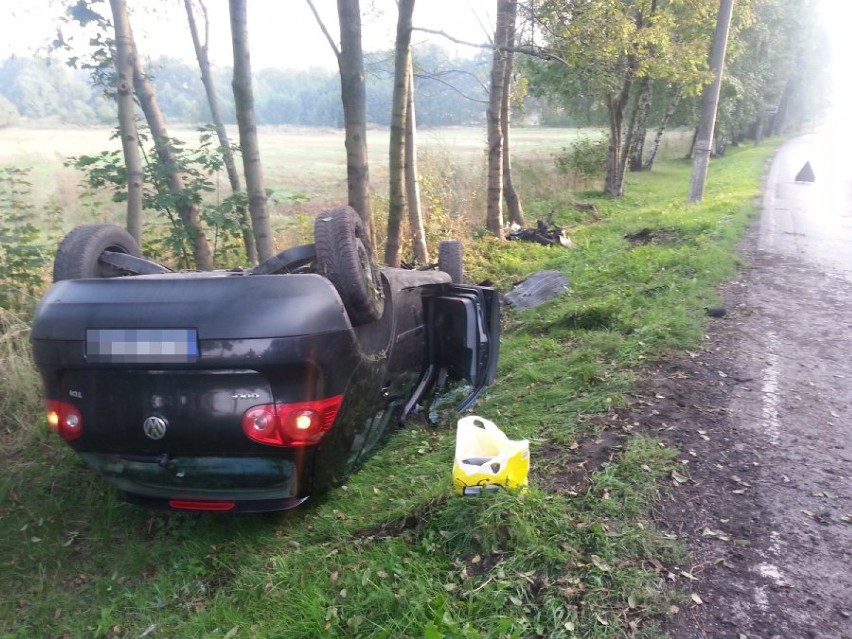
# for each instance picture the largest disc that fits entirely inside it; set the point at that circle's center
(764, 496)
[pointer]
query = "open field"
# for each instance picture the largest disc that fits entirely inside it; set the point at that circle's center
(309, 162)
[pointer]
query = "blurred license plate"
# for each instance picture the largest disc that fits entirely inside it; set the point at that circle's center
(142, 345)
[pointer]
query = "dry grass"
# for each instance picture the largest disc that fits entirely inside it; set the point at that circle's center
(20, 386)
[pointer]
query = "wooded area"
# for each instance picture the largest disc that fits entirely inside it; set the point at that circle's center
(632, 67)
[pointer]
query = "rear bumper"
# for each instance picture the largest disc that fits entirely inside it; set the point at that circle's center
(252, 484)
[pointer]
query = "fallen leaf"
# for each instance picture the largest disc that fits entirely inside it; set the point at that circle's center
(599, 563)
(231, 633)
(631, 601)
(569, 626)
(601, 620)
(697, 599)
(689, 575)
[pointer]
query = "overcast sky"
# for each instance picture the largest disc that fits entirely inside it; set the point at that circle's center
(283, 33)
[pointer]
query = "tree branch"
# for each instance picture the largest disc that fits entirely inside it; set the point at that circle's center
(321, 24)
(423, 76)
(534, 51)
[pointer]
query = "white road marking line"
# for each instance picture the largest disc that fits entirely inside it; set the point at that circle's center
(771, 375)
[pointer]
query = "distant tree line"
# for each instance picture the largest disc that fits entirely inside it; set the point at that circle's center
(449, 92)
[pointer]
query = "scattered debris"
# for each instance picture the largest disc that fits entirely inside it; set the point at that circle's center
(538, 288)
(545, 232)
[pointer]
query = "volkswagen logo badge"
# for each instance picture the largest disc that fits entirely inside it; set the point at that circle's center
(155, 427)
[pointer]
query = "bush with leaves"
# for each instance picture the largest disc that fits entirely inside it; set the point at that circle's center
(23, 256)
(200, 166)
(584, 159)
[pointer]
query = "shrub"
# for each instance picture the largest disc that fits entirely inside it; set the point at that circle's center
(584, 159)
(22, 255)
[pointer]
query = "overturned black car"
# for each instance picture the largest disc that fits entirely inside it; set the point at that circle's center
(249, 391)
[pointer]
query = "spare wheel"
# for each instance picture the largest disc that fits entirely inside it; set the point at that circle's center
(79, 252)
(343, 256)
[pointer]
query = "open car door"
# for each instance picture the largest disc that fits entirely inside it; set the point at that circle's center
(463, 339)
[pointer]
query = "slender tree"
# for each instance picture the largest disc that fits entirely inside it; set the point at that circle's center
(710, 102)
(494, 191)
(412, 179)
(187, 208)
(396, 200)
(126, 116)
(353, 94)
(244, 103)
(510, 194)
(661, 129)
(201, 49)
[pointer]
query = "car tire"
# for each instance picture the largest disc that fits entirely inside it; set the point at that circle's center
(450, 259)
(343, 256)
(79, 252)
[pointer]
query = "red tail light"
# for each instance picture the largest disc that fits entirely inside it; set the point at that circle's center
(194, 504)
(65, 419)
(299, 424)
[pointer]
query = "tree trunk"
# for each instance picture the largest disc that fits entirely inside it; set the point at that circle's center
(710, 103)
(213, 103)
(412, 180)
(396, 160)
(664, 123)
(510, 194)
(187, 210)
(350, 61)
(126, 117)
(637, 148)
(494, 199)
(615, 164)
(244, 104)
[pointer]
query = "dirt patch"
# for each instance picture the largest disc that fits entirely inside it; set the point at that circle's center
(764, 497)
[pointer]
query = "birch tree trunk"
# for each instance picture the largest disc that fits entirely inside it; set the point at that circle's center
(244, 103)
(710, 102)
(510, 194)
(643, 109)
(615, 159)
(664, 123)
(126, 117)
(412, 179)
(396, 157)
(494, 192)
(213, 103)
(187, 210)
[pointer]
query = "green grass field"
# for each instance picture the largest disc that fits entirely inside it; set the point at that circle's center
(310, 162)
(393, 552)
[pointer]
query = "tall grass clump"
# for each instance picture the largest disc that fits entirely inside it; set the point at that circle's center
(20, 388)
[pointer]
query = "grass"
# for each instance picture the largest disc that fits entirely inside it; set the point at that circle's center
(393, 553)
